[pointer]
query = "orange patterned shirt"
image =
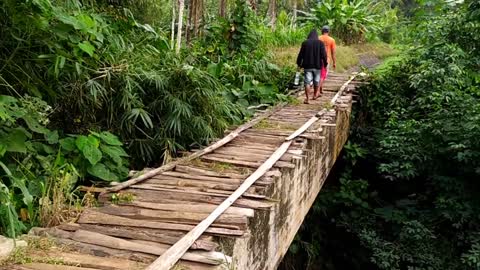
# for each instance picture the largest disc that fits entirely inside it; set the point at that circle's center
(329, 46)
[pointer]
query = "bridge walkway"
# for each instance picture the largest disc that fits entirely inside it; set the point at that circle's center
(134, 226)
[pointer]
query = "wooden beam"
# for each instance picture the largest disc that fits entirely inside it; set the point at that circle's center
(208, 257)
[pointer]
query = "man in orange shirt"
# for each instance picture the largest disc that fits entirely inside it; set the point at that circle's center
(330, 47)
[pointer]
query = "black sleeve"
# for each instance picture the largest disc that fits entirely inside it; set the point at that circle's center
(323, 54)
(300, 56)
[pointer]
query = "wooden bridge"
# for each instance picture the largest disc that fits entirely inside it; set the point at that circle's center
(142, 221)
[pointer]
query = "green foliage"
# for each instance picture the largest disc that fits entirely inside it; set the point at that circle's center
(286, 32)
(352, 21)
(243, 37)
(99, 154)
(37, 163)
(233, 55)
(408, 197)
(110, 72)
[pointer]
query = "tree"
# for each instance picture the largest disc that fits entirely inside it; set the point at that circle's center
(181, 6)
(222, 10)
(272, 12)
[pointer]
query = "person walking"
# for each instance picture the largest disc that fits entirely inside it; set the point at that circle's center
(312, 58)
(330, 46)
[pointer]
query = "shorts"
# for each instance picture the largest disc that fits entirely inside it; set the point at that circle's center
(312, 75)
(324, 73)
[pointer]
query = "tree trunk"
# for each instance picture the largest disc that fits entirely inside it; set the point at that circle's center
(223, 4)
(172, 40)
(253, 5)
(188, 27)
(294, 13)
(181, 6)
(197, 17)
(272, 12)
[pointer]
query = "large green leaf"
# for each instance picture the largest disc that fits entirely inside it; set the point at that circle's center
(51, 137)
(34, 125)
(92, 140)
(92, 153)
(68, 144)
(81, 141)
(114, 152)
(15, 141)
(109, 138)
(87, 47)
(27, 197)
(101, 171)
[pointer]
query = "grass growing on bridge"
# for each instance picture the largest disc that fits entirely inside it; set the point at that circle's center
(265, 124)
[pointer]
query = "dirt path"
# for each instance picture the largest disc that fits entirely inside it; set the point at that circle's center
(367, 60)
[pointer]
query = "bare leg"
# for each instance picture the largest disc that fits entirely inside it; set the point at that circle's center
(307, 90)
(316, 93)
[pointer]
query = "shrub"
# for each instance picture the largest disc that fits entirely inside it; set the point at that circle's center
(351, 21)
(39, 168)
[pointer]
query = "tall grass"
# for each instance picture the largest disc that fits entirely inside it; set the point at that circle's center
(285, 33)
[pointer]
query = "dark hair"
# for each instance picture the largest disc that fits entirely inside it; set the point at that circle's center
(313, 34)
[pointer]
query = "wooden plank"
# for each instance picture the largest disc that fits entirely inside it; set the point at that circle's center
(142, 213)
(160, 196)
(201, 177)
(195, 155)
(302, 128)
(86, 260)
(278, 164)
(196, 190)
(248, 155)
(251, 145)
(239, 149)
(198, 208)
(172, 255)
(213, 258)
(45, 266)
(160, 236)
(14, 267)
(197, 184)
(105, 251)
(203, 171)
(94, 217)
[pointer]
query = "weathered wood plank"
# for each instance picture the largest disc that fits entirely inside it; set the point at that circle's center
(201, 177)
(198, 208)
(86, 260)
(161, 236)
(160, 196)
(45, 266)
(213, 258)
(101, 251)
(202, 171)
(251, 164)
(94, 217)
(142, 213)
(197, 184)
(196, 190)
